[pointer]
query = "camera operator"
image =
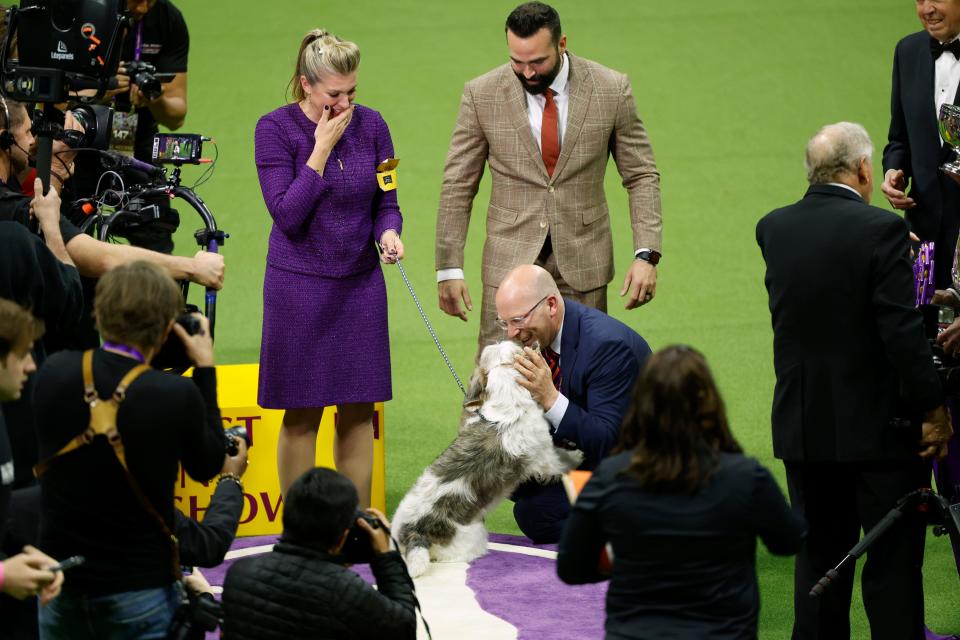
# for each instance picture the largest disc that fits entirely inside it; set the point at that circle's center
(114, 504)
(847, 343)
(302, 589)
(158, 36)
(92, 257)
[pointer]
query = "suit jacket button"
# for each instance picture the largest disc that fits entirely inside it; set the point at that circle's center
(543, 224)
(551, 189)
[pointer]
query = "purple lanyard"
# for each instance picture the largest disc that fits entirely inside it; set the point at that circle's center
(122, 348)
(138, 43)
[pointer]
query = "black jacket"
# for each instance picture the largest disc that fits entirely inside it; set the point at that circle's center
(683, 565)
(296, 592)
(846, 333)
(204, 544)
(914, 146)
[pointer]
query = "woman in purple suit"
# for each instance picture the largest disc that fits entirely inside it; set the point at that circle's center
(325, 338)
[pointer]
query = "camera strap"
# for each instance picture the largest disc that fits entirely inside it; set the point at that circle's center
(103, 422)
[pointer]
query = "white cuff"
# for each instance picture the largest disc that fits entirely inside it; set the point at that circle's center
(449, 274)
(557, 411)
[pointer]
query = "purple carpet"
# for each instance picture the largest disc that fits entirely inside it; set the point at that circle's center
(522, 590)
(526, 592)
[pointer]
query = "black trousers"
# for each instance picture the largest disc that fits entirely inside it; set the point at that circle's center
(838, 499)
(541, 510)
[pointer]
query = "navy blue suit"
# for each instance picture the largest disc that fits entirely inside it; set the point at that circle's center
(600, 359)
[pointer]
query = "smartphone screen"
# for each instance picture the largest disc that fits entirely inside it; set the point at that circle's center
(177, 148)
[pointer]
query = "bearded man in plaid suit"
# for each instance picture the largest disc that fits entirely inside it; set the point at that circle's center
(546, 124)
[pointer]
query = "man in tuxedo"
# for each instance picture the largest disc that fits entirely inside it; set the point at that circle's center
(847, 340)
(545, 124)
(926, 74)
(582, 380)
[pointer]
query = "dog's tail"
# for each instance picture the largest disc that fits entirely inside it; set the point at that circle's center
(417, 555)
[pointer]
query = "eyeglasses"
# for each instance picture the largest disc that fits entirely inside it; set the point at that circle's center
(520, 321)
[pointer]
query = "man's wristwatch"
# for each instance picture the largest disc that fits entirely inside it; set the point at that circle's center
(653, 257)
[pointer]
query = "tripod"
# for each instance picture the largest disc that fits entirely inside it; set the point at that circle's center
(945, 516)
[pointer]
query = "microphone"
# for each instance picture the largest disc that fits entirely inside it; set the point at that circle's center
(121, 161)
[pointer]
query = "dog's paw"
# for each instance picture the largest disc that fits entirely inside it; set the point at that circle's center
(418, 561)
(570, 459)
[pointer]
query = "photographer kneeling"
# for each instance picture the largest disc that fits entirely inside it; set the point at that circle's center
(303, 590)
(110, 499)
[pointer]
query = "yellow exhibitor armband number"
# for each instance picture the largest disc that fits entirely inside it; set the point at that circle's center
(387, 174)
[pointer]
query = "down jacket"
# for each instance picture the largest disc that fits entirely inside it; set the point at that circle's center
(296, 592)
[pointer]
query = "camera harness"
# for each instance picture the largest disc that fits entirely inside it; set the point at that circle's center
(103, 422)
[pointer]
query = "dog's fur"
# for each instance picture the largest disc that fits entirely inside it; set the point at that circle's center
(503, 441)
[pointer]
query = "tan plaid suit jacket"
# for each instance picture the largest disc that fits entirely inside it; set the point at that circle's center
(525, 204)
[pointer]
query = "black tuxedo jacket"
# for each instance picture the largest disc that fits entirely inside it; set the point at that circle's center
(846, 333)
(914, 146)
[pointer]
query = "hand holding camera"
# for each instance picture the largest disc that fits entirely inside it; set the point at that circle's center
(378, 528)
(235, 461)
(194, 331)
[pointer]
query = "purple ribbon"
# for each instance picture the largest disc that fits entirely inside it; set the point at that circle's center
(127, 350)
(923, 274)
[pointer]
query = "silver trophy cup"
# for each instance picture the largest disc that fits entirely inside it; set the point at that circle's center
(949, 125)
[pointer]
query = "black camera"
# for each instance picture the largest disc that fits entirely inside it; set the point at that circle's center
(232, 435)
(196, 616)
(357, 549)
(97, 123)
(189, 322)
(172, 355)
(61, 47)
(145, 76)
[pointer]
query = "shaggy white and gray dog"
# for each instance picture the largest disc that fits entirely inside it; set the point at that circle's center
(503, 441)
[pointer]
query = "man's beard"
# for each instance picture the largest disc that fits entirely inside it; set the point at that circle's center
(541, 81)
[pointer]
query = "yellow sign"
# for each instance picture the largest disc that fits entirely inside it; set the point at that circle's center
(387, 174)
(263, 508)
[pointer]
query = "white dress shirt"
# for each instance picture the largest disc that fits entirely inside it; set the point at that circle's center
(946, 78)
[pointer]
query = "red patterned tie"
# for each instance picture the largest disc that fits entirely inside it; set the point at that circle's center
(553, 361)
(549, 134)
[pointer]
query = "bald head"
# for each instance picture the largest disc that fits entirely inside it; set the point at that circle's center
(523, 294)
(529, 279)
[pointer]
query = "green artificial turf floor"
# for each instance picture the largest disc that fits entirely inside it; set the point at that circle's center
(729, 91)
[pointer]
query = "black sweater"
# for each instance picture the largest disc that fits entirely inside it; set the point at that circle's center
(684, 566)
(88, 507)
(296, 593)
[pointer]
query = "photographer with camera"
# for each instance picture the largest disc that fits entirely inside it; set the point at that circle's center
(151, 90)
(302, 589)
(110, 498)
(93, 258)
(848, 343)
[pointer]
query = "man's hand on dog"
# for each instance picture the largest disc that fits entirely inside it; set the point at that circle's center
(536, 377)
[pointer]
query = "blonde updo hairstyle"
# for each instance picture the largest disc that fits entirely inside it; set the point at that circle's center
(323, 54)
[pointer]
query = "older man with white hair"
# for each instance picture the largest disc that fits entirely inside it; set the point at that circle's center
(847, 341)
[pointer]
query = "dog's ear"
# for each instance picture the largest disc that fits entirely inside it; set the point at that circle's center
(474, 398)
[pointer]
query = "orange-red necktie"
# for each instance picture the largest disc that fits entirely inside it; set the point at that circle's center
(549, 133)
(553, 361)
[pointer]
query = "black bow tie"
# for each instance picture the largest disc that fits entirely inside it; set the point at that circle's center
(953, 47)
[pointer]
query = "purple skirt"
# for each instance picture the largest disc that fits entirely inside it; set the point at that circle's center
(325, 340)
